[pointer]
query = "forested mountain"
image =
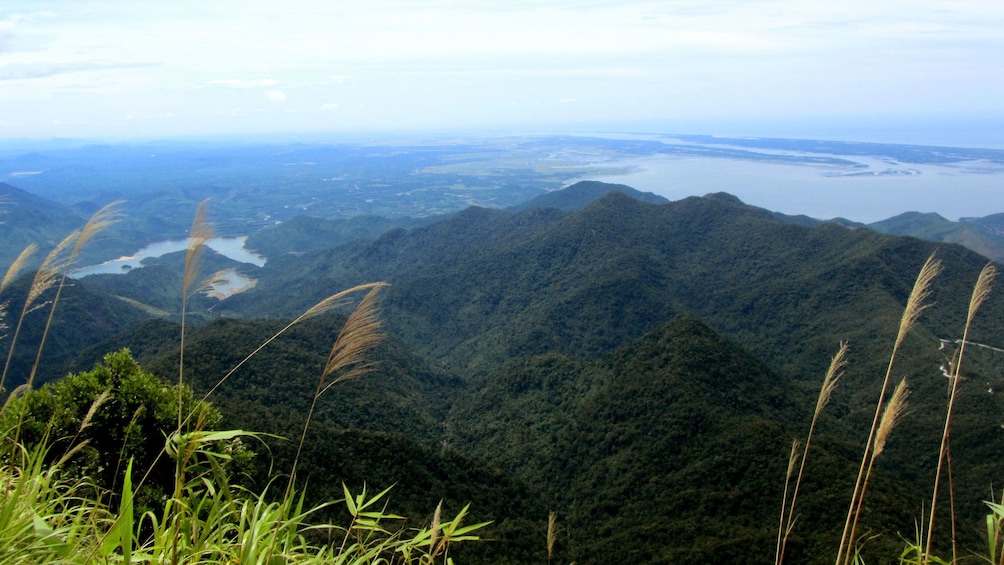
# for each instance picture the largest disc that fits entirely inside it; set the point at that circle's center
(582, 194)
(983, 235)
(484, 289)
(639, 368)
(302, 233)
(84, 317)
(26, 218)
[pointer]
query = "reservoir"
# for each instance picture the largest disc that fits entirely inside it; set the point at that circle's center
(231, 247)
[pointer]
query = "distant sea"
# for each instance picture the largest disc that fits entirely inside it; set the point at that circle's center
(875, 189)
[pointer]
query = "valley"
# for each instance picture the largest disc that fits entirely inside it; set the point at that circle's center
(637, 361)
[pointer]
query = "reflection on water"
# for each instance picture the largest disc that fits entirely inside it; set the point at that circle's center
(231, 247)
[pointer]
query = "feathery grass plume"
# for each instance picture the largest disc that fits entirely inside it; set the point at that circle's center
(891, 416)
(782, 530)
(915, 305)
(73, 446)
(18, 265)
(107, 216)
(324, 306)
(984, 283)
(360, 334)
(833, 374)
(44, 278)
(201, 232)
(552, 533)
(12, 273)
(437, 519)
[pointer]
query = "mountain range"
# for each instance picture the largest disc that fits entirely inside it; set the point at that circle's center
(639, 367)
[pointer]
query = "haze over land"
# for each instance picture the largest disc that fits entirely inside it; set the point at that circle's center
(634, 356)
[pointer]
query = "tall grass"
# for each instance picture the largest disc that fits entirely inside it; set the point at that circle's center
(980, 293)
(915, 305)
(889, 410)
(788, 516)
(48, 516)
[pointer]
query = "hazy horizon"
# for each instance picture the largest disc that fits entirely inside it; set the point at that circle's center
(927, 73)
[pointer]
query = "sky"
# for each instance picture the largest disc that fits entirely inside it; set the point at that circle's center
(931, 69)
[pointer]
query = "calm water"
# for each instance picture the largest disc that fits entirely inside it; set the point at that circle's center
(232, 247)
(886, 189)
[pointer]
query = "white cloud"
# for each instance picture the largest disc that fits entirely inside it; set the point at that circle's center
(240, 83)
(637, 59)
(16, 71)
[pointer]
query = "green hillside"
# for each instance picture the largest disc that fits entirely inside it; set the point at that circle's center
(582, 194)
(638, 368)
(981, 235)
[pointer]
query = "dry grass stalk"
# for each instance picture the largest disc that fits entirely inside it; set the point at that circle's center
(18, 391)
(833, 374)
(18, 265)
(915, 305)
(45, 278)
(102, 219)
(324, 306)
(201, 232)
(55, 263)
(434, 532)
(360, 333)
(917, 302)
(12, 273)
(552, 533)
(891, 416)
(782, 529)
(984, 284)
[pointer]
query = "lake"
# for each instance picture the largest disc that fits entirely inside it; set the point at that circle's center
(231, 247)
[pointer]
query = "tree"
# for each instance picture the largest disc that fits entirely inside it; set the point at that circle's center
(104, 417)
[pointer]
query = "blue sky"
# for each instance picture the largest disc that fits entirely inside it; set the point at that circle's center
(125, 69)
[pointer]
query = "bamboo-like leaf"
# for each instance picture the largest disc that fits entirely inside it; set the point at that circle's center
(349, 501)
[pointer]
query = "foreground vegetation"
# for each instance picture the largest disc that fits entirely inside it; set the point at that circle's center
(85, 481)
